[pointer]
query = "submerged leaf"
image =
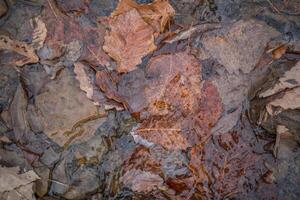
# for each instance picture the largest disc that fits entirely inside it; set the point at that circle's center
(141, 181)
(175, 113)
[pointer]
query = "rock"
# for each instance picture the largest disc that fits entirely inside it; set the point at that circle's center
(64, 112)
(240, 48)
(13, 183)
(11, 155)
(50, 157)
(9, 81)
(3, 8)
(103, 8)
(35, 78)
(41, 185)
(92, 165)
(17, 110)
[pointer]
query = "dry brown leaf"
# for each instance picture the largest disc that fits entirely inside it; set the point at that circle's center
(129, 39)
(86, 78)
(279, 51)
(290, 79)
(24, 50)
(39, 33)
(157, 14)
(290, 100)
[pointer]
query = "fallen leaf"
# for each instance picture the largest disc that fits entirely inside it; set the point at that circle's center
(197, 127)
(290, 79)
(141, 181)
(86, 78)
(129, 39)
(17, 111)
(10, 178)
(157, 14)
(39, 33)
(175, 113)
(87, 81)
(173, 84)
(169, 137)
(108, 85)
(5, 139)
(142, 159)
(22, 49)
(279, 51)
(290, 100)
(76, 6)
(63, 30)
(185, 34)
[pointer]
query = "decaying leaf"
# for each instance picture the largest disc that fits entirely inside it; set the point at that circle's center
(141, 181)
(16, 186)
(22, 49)
(279, 51)
(157, 14)
(185, 34)
(76, 6)
(129, 39)
(17, 111)
(170, 137)
(169, 94)
(63, 30)
(39, 33)
(86, 78)
(290, 79)
(197, 127)
(290, 100)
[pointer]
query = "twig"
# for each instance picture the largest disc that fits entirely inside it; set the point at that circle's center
(273, 6)
(158, 129)
(58, 182)
(51, 7)
(186, 34)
